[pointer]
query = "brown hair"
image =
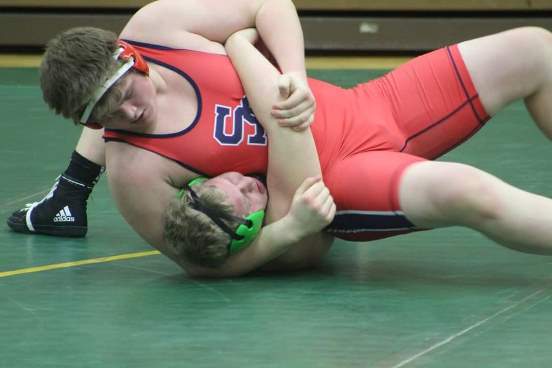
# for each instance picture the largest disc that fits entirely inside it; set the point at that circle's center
(192, 234)
(75, 64)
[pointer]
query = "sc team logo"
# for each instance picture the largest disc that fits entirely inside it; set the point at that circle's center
(240, 116)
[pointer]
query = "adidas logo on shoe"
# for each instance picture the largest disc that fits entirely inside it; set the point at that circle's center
(64, 215)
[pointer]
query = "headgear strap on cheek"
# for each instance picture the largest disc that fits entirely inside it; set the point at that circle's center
(131, 59)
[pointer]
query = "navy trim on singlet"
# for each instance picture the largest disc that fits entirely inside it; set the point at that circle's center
(438, 122)
(199, 104)
(148, 45)
(161, 47)
(351, 222)
(469, 100)
(187, 167)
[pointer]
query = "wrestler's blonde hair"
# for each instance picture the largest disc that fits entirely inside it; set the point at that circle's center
(195, 237)
(75, 63)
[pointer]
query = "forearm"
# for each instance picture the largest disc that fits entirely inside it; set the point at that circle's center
(259, 79)
(273, 241)
(278, 24)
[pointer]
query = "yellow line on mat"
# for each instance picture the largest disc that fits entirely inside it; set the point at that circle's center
(83, 262)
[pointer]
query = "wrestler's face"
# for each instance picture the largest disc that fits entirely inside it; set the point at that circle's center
(244, 193)
(137, 109)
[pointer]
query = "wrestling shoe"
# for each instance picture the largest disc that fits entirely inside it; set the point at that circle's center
(62, 212)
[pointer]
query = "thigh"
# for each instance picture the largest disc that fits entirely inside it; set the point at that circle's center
(439, 194)
(365, 188)
(509, 65)
(434, 103)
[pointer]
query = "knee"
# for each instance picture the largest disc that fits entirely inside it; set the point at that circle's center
(470, 198)
(538, 38)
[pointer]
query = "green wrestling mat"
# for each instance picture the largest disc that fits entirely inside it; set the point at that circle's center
(445, 298)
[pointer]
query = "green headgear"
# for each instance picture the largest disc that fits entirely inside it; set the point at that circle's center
(243, 235)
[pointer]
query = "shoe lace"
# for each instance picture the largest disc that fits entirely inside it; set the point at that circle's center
(46, 197)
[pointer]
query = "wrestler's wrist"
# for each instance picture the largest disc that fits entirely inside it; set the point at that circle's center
(293, 230)
(299, 74)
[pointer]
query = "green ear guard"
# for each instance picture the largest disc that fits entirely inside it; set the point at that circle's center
(246, 231)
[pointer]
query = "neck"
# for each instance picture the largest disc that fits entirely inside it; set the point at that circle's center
(158, 81)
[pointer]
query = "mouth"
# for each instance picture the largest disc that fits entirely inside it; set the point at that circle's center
(138, 118)
(141, 116)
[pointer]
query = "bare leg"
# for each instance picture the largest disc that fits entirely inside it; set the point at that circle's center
(440, 194)
(91, 146)
(511, 65)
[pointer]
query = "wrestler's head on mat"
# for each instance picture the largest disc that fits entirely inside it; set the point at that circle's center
(214, 218)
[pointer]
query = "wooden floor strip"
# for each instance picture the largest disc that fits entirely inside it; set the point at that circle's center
(314, 62)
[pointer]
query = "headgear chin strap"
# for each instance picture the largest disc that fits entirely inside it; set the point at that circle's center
(243, 235)
(131, 58)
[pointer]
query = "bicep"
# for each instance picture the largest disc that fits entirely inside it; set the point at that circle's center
(213, 20)
(142, 197)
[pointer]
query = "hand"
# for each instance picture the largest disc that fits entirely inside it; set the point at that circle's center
(312, 207)
(296, 111)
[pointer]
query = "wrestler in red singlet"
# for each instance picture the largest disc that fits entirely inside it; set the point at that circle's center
(365, 136)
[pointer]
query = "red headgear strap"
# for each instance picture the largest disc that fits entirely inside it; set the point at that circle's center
(139, 64)
(130, 51)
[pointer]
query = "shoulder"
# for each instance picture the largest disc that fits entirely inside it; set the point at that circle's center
(126, 164)
(123, 157)
(145, 24)
(191, 24)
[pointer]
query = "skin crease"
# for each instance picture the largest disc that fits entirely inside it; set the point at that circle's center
(244, 193)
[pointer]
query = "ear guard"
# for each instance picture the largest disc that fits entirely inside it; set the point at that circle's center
(243, 235)
(131, 58)
(247, 231)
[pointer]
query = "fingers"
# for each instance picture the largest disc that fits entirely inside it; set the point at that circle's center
(319, 199)
(317, 194)
(328, 209)
(304, 125)
(295, 95)
(313, 206)
(284, 86)
(297, 109)
(299, 122)
(307, 183)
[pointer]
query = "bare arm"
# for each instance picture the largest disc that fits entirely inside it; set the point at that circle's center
(290, 240)
(143, 195)
(260, 80)
(140, 183)
(206, 24)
